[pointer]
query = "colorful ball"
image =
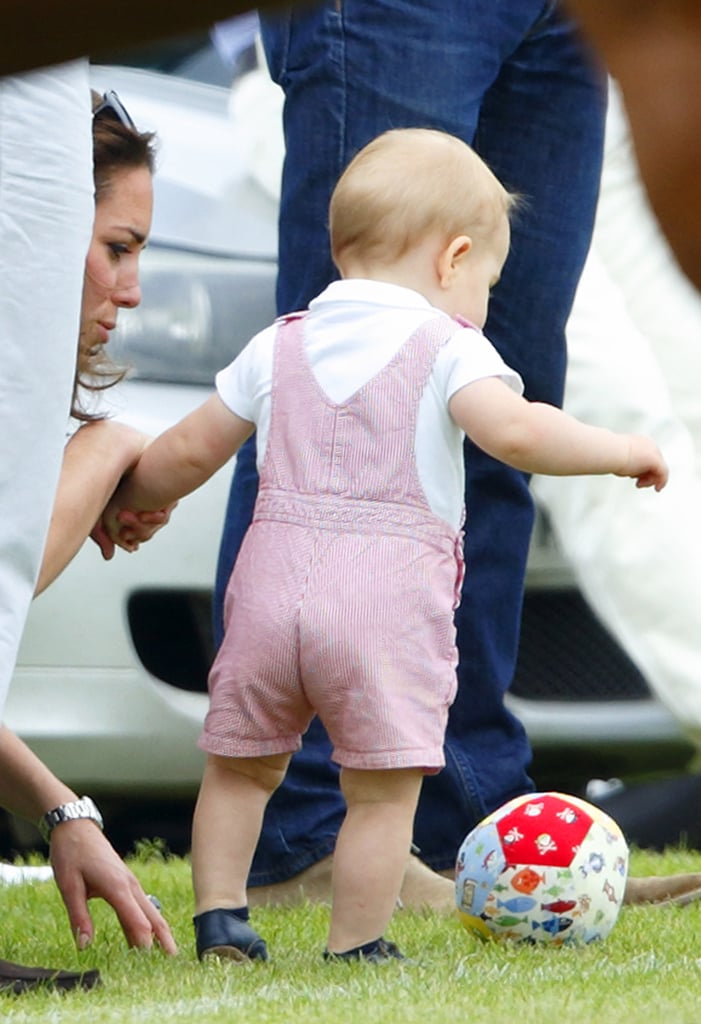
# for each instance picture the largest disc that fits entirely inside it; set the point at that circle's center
(547, 868)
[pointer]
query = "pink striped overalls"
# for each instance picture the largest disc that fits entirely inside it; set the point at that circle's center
(342, 597)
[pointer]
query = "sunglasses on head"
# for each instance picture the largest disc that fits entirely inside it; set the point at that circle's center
(112, 107)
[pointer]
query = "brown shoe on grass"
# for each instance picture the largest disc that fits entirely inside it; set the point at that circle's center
(421, 889)
(663, 891)
(16, 978)
(312, 885)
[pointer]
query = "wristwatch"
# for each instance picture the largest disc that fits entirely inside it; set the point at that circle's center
(73, 811)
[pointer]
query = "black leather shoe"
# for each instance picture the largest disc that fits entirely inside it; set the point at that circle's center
(222, 933)
(379, 951)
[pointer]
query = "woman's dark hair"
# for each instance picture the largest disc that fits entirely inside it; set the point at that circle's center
(117, 146)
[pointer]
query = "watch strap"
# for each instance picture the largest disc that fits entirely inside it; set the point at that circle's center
(74, 810)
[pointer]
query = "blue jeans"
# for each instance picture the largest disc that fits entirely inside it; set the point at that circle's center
(509, 77)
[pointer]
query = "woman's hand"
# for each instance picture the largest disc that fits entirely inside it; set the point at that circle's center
(136, 527)
(86, 866)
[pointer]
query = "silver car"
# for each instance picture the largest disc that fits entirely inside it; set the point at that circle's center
(110, 689)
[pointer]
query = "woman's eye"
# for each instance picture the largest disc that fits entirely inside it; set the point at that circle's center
(118, 249)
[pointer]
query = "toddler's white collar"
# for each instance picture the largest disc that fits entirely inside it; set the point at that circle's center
(378, 292)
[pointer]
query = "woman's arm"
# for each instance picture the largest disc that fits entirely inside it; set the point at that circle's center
(96, 458)
(27, 787)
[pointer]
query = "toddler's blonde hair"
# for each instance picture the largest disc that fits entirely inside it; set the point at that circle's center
(406, 184)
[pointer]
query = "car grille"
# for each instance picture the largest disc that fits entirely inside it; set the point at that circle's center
(566, 654)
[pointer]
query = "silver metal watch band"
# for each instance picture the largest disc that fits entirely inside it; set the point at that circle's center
(75, 810)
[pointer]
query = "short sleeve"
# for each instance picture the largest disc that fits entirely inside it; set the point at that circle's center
(469, 356)
(244, 382)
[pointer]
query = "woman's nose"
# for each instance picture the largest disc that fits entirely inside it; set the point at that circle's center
(128, 295)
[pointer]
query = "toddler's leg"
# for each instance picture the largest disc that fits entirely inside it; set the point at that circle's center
(371, 853)
(226, 826)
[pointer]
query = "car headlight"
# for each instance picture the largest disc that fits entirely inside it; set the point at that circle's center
(196, 314)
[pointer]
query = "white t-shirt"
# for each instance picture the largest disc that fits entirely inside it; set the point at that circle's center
(353, 329)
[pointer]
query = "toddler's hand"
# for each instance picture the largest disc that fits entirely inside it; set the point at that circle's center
(137, 527)
(126, 529)
(646, 463)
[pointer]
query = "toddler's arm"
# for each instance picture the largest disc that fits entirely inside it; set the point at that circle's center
(175, 464)
(540, 438)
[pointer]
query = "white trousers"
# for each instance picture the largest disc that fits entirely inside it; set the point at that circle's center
(46, 213)
(634, 342)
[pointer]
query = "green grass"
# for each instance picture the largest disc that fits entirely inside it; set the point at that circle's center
(647, 971)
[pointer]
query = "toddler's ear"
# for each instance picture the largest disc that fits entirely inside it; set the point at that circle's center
(450, 257)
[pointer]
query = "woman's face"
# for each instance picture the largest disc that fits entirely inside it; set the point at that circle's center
(122, 224)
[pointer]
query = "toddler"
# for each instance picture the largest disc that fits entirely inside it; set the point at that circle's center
(341, 600)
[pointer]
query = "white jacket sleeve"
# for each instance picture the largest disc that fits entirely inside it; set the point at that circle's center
(47, 212)
(634, 340)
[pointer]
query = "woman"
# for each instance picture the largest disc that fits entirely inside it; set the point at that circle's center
(84, 863)
(101, 451)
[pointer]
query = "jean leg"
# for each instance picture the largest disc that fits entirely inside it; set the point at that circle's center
(541, 130)
(351, 69)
